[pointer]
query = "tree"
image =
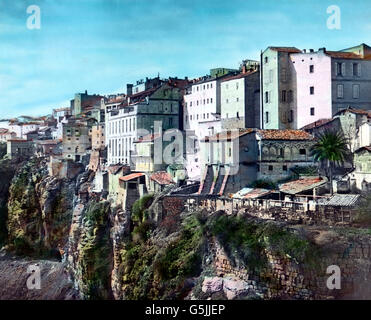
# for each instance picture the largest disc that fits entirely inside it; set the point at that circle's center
(331, 147)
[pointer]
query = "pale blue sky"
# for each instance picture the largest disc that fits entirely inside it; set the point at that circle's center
(100, 45)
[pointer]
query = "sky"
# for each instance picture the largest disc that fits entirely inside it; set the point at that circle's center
(101, 45)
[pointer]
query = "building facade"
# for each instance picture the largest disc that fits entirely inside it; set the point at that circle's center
(139, 115)
(236, 159)
(77, 140)
(240, 100)
(303, 86)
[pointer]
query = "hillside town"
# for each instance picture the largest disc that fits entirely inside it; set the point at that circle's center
(232, 137)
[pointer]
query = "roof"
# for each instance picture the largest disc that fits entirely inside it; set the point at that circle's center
(239, 76)
(251, 193)
(316, 124)
(148, 138)
(286, 49)
(228, 135)
(355, 111)
(162, 178)
(287, 134)
(131, 176)
(3, 130)
(18, 140)
(114, 169)
(368, 148)
(340, 200)
(301, 185)
(48, 141)
(346, 55)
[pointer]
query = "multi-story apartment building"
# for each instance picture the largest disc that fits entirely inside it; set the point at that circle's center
(240, 98)
(202, 110)
(237, 158)
(135, 117)
(77, 140)
(300, 87)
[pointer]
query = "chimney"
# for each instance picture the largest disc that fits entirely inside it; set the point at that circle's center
(305, 50)
(86, 92)
(311, 50)
(323, 50)
(244, 68)
(129, 89)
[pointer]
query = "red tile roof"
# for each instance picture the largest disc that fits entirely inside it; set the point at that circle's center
(288, 134)
(132, 176)
(301, 185)
(162, 178)
(347, 55)
(316, 124)
(228, 135)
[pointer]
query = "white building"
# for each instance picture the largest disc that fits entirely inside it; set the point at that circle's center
(135, 117)
(21, 129)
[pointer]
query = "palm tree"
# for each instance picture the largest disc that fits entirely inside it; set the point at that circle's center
(331, 147)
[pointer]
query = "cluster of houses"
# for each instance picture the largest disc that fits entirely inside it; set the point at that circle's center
(223, 135)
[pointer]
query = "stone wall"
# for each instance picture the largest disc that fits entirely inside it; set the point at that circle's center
(284, 278)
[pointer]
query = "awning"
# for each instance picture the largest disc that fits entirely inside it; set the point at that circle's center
(131, 176)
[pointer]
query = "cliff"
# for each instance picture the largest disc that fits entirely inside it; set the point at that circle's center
(179, 253)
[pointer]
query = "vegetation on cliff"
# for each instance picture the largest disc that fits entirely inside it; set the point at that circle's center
(39, 211)
(93, 265)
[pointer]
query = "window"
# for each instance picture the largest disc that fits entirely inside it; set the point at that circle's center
(226, 101)
(283, 96)
(355, 91)
(282, 152)
(266, 96)
(190, 103)
(312, 111)
(311, 68)
(211, 100)
(237, 99)
(266, 60)
(211, 85)
(208, 116)
(207, 101)
(207, 86)
(270, 168)
(284, 74)
(340, 69)
(230, 152)
(291, 116)
(357, 69)
(340, 91)
(204, 101)
(266, 117)
(302, 152)
(270, 76)
(197, 102)
(284, 168)
(238, 115)
(197, 88)
(290, 96)
(236, 85)
(311, 90)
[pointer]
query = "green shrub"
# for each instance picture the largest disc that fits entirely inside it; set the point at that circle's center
(264, 184)
(138, 211)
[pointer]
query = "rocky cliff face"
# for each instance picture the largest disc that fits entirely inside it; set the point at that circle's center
(39, 210)
(185, 254)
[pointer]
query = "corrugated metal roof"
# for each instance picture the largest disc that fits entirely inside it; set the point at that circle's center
(304, 184)
(251, 193)
(340, 200)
